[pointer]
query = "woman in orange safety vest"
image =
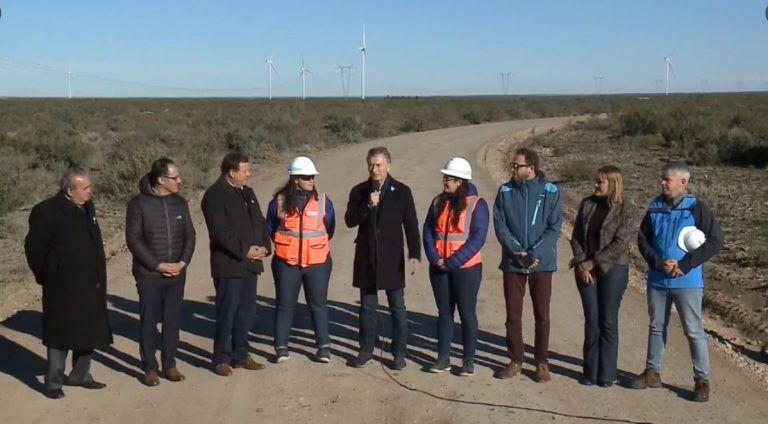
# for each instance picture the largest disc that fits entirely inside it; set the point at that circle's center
(454, 233)
(301, 222)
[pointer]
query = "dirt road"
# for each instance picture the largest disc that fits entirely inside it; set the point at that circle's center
(303, 391)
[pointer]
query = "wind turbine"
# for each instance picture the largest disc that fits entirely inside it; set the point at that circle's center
(668, 68)
(69, 82)
(270, 70)
(303, 71)
(363, 56)
(345, 69)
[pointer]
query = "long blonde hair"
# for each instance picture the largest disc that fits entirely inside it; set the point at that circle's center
(612, 174)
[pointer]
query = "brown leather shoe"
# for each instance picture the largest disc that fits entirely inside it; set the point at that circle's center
(648, 378)
(701, 391)
(511, 370)
(542, 373)
(151, 378)
(173, 374)
(223, 370)
(250, 365)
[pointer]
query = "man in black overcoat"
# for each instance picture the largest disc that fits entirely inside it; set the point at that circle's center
(382, 208)
(65, 252)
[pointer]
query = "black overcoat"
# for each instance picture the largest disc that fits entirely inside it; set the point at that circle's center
(65, 251)
(379, 256)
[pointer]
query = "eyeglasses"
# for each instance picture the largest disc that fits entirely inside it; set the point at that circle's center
(446, 179)
(175, 178)
(516, 166)
(306, 177)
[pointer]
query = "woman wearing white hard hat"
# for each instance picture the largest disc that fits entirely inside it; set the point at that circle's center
(454, 232)
(600, 243)
(301, 222)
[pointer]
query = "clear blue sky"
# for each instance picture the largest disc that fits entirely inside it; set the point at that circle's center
(418, 47)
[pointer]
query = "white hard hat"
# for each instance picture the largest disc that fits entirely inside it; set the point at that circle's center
(458, 167)
(690, 238)
(302, 165)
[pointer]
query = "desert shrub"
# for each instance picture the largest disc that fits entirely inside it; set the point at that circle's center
(576, 170)
(474, 117)
(637, 122)
(345, 129)
(412, 124)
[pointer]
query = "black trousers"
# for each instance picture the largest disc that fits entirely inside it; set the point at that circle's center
(369, 303)
(160, 300)
(235, 312)
(601, 303)
(81, 368)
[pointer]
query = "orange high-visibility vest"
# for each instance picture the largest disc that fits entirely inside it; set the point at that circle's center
(448, 238)
(301, 239)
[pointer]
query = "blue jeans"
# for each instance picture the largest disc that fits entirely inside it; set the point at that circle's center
(369, 303)
(688, 304)
(235, 312)
(601, 303)
(288, 281)
(452, 289)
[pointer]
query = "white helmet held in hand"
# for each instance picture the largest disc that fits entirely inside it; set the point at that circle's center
(458, 167)
(690, 238)
(302, 165)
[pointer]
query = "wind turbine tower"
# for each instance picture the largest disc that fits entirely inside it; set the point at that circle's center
(363, 56)
(69, 82)
(667, 70)
(303, 71)
(598, 84)
(270, 70)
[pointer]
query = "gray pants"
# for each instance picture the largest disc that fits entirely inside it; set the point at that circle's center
(81, 368)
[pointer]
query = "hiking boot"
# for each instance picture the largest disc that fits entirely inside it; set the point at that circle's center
(362, 359)
(282, 354)
(542, 373)
(467, 369)
(443, 363)
(323, 355)
(151, 378)
(250, 364)
(398, 362)
(701, 391)
(511, 370)
(173, 374)
(649, 378)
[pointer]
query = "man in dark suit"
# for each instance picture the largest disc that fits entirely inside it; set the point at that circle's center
(238, 244)
(382, 208)
(65, 252)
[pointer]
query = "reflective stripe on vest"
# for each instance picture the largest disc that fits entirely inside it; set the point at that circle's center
(302, 239)
(449, 239)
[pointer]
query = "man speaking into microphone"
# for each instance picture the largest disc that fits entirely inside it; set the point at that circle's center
(382, 208)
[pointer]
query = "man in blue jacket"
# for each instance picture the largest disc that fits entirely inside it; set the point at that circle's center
(675, 274)
(527, 217)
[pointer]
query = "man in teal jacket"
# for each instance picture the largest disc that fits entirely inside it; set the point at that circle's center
(527, 217)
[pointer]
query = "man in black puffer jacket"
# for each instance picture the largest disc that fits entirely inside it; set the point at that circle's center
(160, 235)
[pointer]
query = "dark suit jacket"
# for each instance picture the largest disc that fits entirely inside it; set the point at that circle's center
(379, 259)
(65, 252)
(235, 223)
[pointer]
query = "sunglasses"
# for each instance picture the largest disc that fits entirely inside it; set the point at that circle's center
(174, 178)
(447, 179)
(306, 177)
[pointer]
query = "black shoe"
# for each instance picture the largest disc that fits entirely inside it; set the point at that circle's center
(282, 354)
(467, 369)
(53, 393)
(443, 363)
(605, 384)
(398, 363)
(362, 359)
(92, 385)
(584, 381)
(323, 355)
